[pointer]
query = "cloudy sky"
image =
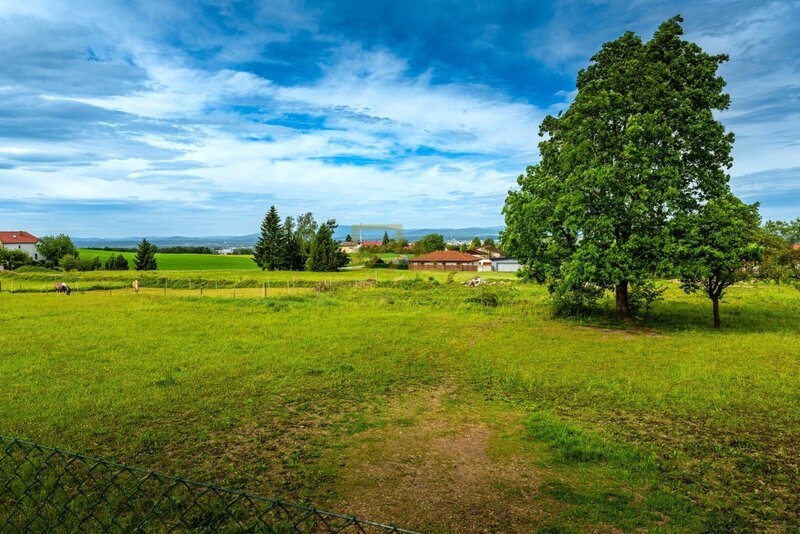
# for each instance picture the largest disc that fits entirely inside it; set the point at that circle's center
(169, 117)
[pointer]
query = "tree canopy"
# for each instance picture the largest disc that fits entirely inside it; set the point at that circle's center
(714, 246)
(54, 247)
(429, 243)
(638, 145)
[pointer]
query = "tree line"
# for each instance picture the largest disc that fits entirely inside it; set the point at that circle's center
(632, 185)
(297, 245)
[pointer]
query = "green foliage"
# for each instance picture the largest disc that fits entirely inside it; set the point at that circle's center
(714, 247)
(489, 242)
(429, 243)
(145, 258)
(116, 263)
(638, 146)
(780, 261)
(643, 295)
(286, 246)
(54, 247)
(11, 259)
(475, 243)
(76, 263)
(270, 248)
(485, 297)
(325, 254)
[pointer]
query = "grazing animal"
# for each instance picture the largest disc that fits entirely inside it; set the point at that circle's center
(136, 286)
(61, 287)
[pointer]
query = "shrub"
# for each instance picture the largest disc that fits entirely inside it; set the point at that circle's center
(485, 297)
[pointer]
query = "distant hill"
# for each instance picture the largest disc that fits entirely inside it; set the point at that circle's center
(412, 234)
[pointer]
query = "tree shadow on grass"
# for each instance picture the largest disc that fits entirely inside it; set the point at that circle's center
(738, 316)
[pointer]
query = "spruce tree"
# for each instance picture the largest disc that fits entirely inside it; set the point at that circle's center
(270, 248)
(325, 254)
(293, 248)
(145, 259)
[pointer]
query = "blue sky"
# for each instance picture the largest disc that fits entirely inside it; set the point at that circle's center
(191, 118)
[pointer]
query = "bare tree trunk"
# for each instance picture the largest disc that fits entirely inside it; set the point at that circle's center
(715, 306)
(623, 311)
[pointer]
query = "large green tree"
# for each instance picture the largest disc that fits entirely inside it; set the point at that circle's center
(294, 258)
(270, 248)
(638, 145)
(325, 254)
(54, 247)
(714, 246)
(145, 258)
(429, 243)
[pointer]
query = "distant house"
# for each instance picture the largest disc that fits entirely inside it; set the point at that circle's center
(371, 243)
(20, 241)
(444, 260)
(349, 246)
(486, 252)
(507, 265)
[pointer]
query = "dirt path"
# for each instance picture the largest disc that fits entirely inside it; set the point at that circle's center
(437, 467)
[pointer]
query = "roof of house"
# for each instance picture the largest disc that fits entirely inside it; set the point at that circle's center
(796, 246)
(17, 237)
(449, 256)
(371, 243)
(348, 244)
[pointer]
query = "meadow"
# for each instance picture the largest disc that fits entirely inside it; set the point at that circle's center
(419, 401)
(181, 262)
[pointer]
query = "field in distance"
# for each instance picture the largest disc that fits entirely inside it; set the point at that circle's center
(423, 402)
(175, 262)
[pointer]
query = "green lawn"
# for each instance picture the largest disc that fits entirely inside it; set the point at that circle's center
(182, 262)
(414, 404)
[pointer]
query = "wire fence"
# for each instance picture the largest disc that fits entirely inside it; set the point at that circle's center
(43, 489)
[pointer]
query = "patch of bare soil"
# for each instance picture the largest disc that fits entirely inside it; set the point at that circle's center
(439, 468)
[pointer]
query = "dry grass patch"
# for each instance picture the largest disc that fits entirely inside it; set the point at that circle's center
(439, 466)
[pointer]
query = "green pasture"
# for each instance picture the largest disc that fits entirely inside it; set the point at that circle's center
(419, 401)
(182, 262)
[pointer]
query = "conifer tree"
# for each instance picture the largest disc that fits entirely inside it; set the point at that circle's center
(145, 259)
(270, 248)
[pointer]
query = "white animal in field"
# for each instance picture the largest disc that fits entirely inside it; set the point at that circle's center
(136, 286)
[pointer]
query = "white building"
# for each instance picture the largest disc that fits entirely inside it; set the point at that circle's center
(20, 241)
(505, 265)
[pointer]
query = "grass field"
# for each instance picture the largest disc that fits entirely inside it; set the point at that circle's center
(182, 262)
(412, 403)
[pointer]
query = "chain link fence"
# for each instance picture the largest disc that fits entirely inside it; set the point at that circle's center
(43, 489)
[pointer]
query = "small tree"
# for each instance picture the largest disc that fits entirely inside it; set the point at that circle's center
(270, 248)
(488, 242)
(348, 238)
(475, 243)
(69, 262)
(385, 241)
(54, 247)
(13, 259)
(116, 263)
(325, 254)
(429, 243)
(714, 246)
(145, 259)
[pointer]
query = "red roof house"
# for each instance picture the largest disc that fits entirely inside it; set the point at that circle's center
(445, 260)
(20, 241)
(11, 238)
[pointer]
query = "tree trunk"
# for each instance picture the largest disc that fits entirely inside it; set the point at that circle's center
(715, 306)
(623, 309)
